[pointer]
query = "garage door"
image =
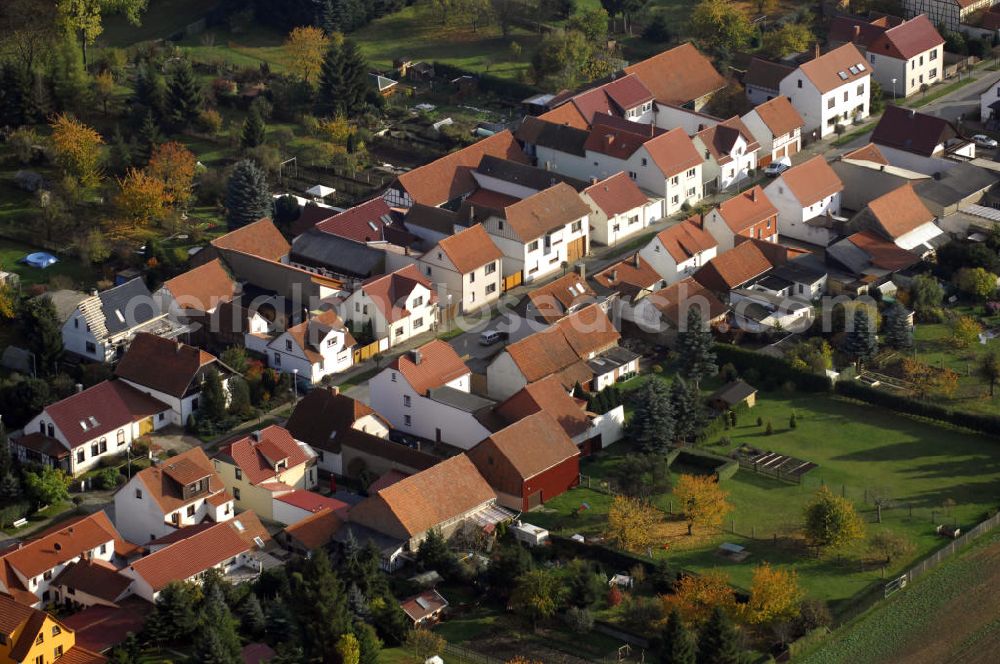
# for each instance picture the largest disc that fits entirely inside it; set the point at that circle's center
(576, 249)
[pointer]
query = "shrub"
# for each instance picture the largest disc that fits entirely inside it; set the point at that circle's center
(771, 372)
(13, 511)
(760, 421)
(769, 429)
(614, 596)
(657, 368)
(579, 620)
(989, 424)
(108, 478)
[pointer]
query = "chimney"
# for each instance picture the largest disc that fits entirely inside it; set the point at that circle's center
(581, 270)
(857, 32)
(816, 51)
(78, 387)
(881, 167)
(256, 435)
(753, 194)
(635, 260)
(913, 113)
(593, 180)
(178, 347)
(613, 276)
(93, 292)
(472, 213)
(334, 390)
(416, 356)
(609, 139)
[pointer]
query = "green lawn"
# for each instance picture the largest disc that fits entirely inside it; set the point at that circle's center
(857, 448)
(12, 252)
(161, 19)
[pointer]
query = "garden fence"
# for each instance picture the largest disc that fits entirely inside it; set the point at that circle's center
(959, 543)
(466, 656)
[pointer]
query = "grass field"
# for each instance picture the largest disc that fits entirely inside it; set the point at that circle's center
(12, 252)
(857, 448)
(949, 615)
(934, 346)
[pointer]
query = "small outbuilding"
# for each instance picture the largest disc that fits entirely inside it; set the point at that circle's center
(733, 394)
(425, 608)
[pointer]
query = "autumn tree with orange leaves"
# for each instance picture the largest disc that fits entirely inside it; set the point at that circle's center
(703, 501)
(77, 149)
(774, 595)
(141, 201)
(695, 597)
(174, 165)
(632, 523)
(306, 46)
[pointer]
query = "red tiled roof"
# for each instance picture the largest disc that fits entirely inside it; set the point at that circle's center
(825, 71)
(906, 129)
(309, 333)
(261, 238)
(678, 75)
(387, 479)
(489, 199)
(164, 489)
(614, 142)
(907, 40)
(439, 364)
(766, 74)
(257, 455)
(612, 98)
(566, 114)
(779, 116)
(203, 288)
(720, 139)
(100, 410)
(616, 194)
(257, 653)
(868, 152)
(900, 211)
(389, 292)
(745, 209)
(673, 152)
(552, 300)
(311, 501)
(184, 559)
(544, 211)
(370, 221)
(94, 578)
(316, 530)
(811, 181)
(882, 253)
(420, 606)
(733, 268)
(630, 276)
(162, 364)
(61, 544)
(674, 301)
(470, 249)
(42, 444)
(99, 627)
(686, 240)
(588, 330)
(529, 446)
(546, 395)
(78, 655)
(451, 176)
(323, 414)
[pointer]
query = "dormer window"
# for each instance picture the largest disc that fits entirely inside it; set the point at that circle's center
(288, 344)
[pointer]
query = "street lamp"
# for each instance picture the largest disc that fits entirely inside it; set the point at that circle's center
(894, 89)
(295, 386)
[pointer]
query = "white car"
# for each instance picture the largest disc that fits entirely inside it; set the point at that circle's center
(777, 167)
(984, 141)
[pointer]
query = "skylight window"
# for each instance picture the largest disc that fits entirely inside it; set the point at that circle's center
(259, 542)
(854, 69)
(239, 526)
(843, 75)
(861, 66)
(372, 225)
(118, 313)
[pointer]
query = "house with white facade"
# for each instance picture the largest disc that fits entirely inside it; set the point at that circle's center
(665, 164)
(807, 197)
(625, 97)
(989, 104)
(469, 266)
(759, 311)
(181, 492)
(427, 393)
(777, 127)
(323, 418)
(539, 233)
(729, 151)
(749, 214)
(560, 297)
(678, 251)
(171, 372)
(619, 209)
(395, 306)
(102, 325)
(100, 422)
(920, 142)
(318, 347)
(952, 14)
(906, 56)
(630, 280)
(831, 89)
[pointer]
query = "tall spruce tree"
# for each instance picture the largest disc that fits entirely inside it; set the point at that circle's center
(218, 640)
(121, 152)
(652, 423)
(694, 345)
(370, 644)
(183, 98)
(718, 642)
(354, 73)
(331, 82)
(213, 398)
(10, 486)
(247, 195)
(254, 130)
(896, 327)
(149, 138)
(684, 399)
(42, 332)
(676, 642)
(861, 343)
(320, 606)
(150, 88)
(15, 88)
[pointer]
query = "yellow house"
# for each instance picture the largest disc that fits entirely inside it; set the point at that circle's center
(263, 466)
(31, 636)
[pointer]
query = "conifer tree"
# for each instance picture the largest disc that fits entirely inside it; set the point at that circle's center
(247, 195)
(150, 89)
(652, 423)
(183, 99)
(121, 152)
(370, 644)
(254, 130)
(684, 399)
(331, 82)
(149, 138)
(15, 88)
(677, 644)
(896, 328)
(354, 73)
(694, 345)
(320, 606)
(718, 641)
(252, 616)
(10, 486)
(213, 398)
(861, 342)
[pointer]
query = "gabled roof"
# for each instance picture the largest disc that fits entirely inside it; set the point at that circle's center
(450, 176)
(120, 308)
(163, 365)
(616, 142)
(588, 330)
(28, 622)
(679, 75)
(868, 152)
(337, 254)
(720, 139)
(673, 152)
(745, 209)
(766, 74)
(877, 251)
(686, 240)
(906, 129)
(568, 114)
(425, 604)
(371, 221)
(530, 446)
(562, 138)
(612, 98)
(438, 364)
(432, 218)
(841, 66)
(62, 543)
(779, 116)
(470, 249)
(101, 410)
(525, 175)
(552, 300)
(674, 301)
(425, 500)
(203, 288)
(900, 211)
(632, 276)
(310, 333)
(162, 485)
(94, 577)
(203, 550)
(322, 415)
(811, 181)
(389, 292)
(544, 211)
(733, 268)
(859, 31)
(908, 39)
(549, 396)
(261, 238)
(616, 194)
(316, 530)
(258, 454)
(310, 501)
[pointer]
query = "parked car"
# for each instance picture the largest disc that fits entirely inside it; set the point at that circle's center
(984, 141)
(777, 167)
(402, 439)
(490, 337)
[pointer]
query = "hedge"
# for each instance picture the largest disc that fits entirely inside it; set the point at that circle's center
(13, 511)
(501, 87)
(772, 372)
(988, 424)
(722, 467)
(611, 559)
